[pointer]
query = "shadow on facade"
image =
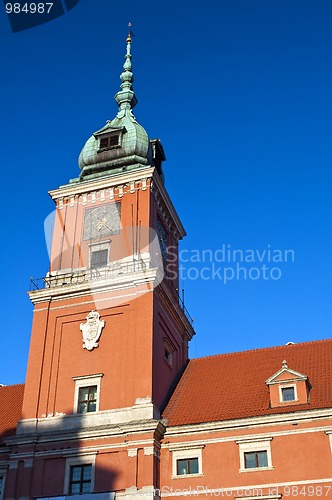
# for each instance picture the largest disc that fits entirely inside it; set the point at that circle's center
(61, 456)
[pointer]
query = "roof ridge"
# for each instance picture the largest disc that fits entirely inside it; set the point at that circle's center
(4, 386)
(321, 341)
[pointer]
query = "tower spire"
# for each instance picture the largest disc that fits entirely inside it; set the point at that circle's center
(126, 98)
(122, 144)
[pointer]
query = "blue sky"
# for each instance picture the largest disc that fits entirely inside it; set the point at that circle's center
(239, 92)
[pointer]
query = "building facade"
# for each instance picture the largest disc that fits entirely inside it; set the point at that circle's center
(112, 406)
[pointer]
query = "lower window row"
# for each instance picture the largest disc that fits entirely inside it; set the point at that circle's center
(80, 476)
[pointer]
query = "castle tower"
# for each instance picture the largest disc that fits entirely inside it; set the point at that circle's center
(110, 335)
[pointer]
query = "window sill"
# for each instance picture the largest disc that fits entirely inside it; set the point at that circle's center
(256, 469)
(86, 413)
(186, 476)
(109, 148)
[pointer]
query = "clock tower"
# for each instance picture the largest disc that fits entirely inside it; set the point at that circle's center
(110, 334)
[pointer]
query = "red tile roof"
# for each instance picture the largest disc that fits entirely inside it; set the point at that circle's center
(232, 386)
(11, 401)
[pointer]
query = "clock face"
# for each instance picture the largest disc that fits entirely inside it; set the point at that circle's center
(162, 237)
(101, 221)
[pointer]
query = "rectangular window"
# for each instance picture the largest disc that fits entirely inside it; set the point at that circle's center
(255, 454)
(1, 485)
(99, 258)
(288, 393)
(255, 459)
(80, 479)
(109, 142)
(103, 142)
(113, 140)
(187, 466)
(87, 399)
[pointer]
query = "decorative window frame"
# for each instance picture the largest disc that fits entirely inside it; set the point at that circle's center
(84, 459)
(252, 445)
(96, 247)
(288, 386)
(3, 472)
(183, 453)
(87, 381)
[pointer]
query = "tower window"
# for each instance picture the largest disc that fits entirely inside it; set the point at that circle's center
(80, 479)
(99, 258)
(168, 355)
(113, 140)
(87, 399)
(104, 142)
(169, 349)
(288, 393)
(109, 142)
(255, 459)
(87, 393)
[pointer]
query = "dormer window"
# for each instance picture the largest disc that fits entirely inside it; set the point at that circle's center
(109, 142)
(288, 394)
(288, 387)
(109, 138)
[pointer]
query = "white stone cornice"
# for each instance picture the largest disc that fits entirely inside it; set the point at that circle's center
(89, 434)
(255, 439)
(117, 421)
(110, 181)
(131, 447)
(27, 456)
(104, 195)
(276, 419)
